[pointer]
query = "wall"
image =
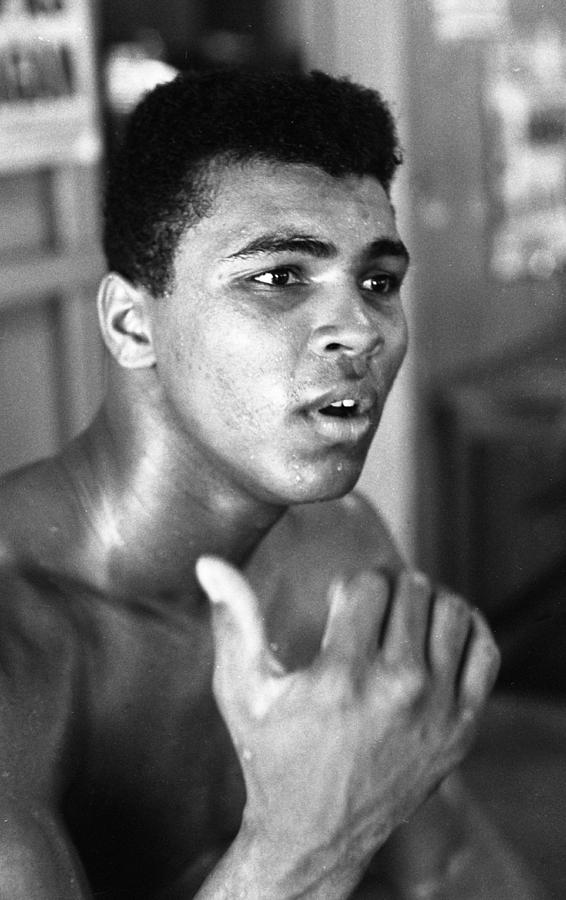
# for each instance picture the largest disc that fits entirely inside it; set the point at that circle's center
(464, 314)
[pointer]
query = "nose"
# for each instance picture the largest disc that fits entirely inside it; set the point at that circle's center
(347, 330)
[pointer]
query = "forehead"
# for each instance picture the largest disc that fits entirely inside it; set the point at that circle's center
(257, 197)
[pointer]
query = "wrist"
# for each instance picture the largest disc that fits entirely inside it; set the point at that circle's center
(285, 869)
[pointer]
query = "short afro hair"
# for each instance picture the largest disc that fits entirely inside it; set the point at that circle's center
(158, 184)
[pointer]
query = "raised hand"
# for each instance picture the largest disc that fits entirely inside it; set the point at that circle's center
(336, 755)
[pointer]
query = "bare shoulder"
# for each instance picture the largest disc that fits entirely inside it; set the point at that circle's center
(348, 533)
(308, 549)
(35, 514)
(354, 524)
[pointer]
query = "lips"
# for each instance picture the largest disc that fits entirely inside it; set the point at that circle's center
(348, 400)
(343, 414)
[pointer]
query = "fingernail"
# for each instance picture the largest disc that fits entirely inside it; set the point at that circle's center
(207, 574)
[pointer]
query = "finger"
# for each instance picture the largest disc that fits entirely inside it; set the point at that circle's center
(481, 664)
(241, 650)
(357, 609)
(449, 631)
(407, 625)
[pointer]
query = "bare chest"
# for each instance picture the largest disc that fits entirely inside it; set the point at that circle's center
(158, 788)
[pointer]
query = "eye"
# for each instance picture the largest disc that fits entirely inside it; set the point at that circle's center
(381, 283)
(278, 278)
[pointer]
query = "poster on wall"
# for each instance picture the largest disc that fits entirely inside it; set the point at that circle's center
(458, 20)
(526, 99)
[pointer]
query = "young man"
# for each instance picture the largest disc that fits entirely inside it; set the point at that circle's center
(254, 325)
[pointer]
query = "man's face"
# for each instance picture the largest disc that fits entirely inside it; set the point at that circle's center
(283, 334)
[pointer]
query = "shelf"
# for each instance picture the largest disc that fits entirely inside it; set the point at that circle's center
(54, 133)
(45, 27)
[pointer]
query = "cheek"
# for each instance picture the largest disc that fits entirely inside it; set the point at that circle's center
(241, 373)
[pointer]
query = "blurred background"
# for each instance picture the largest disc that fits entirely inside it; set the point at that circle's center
(470, 465)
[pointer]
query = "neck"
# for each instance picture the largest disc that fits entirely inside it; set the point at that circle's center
(152, 504)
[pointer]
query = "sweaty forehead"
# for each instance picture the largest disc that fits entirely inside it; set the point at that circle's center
(257, 196)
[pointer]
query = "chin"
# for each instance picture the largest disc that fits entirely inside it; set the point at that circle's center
(317, 487)
(296, 481)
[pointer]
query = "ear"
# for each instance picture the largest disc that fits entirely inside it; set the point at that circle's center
(125, 322)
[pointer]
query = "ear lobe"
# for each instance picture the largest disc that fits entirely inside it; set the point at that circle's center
(125, 322)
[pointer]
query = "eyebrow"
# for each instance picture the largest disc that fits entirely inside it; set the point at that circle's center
(291, 242)
(294, 242)
(388, 247)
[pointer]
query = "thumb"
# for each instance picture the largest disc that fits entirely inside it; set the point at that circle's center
(239, 637)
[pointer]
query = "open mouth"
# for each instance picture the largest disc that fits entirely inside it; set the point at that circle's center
(341, 409)
(341, 419)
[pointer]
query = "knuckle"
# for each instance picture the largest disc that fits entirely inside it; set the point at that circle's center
(263, 699)
(421, 581)
(453, 606)
(340, 688)
(458, 605)
(369, 581)
(257, 708)
(410, 684)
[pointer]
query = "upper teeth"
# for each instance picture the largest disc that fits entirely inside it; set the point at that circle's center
(344, 403)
